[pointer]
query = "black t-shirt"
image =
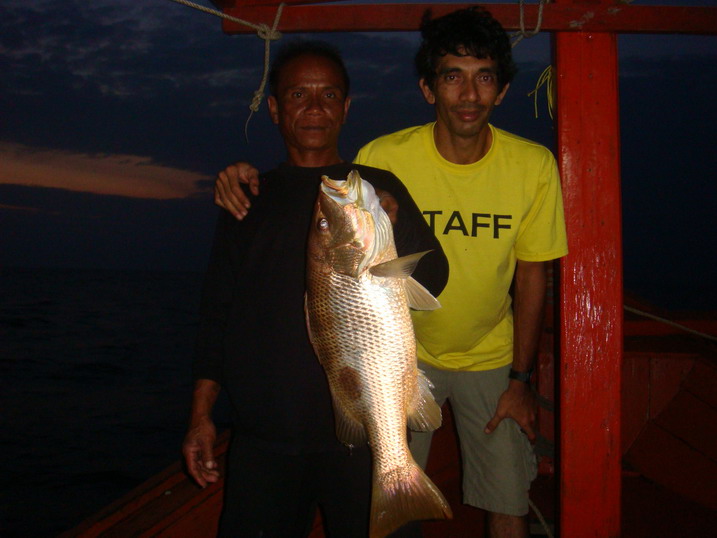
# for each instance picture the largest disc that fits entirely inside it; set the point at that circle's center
(252, 338)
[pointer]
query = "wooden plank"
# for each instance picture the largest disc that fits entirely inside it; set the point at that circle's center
(201, 520)
(635, 393)
(565, 17)
(646, 327)
(666, 460)
(702, 381)
(692, 421)
(666, 376)
(591, 284)
(155, 504)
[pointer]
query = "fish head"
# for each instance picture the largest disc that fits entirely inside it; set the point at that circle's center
(350, 229)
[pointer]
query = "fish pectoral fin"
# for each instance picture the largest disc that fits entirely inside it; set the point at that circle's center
(402, 267)
(402, 495)
(348, 430)
(419, 298)
(424, 414)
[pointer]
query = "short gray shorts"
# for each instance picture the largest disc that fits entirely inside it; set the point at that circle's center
(497, 468)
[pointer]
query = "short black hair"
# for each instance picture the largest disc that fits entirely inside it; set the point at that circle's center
(465, 32)
(294, 49)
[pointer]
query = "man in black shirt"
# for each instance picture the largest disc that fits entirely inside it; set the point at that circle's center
(285, 458)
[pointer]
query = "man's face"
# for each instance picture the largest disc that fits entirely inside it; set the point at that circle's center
(311, 104)
(464, 94)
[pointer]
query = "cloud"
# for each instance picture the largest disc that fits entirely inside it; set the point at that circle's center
(123, 175)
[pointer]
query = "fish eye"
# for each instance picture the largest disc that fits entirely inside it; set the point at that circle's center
(322, 225)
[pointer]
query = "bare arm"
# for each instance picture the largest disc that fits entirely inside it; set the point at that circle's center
(198, 446)
(228, 193)
(518, 401)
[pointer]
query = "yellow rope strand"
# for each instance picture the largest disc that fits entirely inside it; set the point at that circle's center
(545, 79)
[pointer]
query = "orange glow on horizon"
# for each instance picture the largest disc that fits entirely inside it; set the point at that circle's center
(121, 175)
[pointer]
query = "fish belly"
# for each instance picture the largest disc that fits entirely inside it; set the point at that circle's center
(362, 332)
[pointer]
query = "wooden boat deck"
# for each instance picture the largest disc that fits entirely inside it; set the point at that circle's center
(668, 441)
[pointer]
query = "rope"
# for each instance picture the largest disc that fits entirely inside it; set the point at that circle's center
(267, 34)
(545, 79)
(671, 323)
(263, 32)
(540, 517)
(260, 28)
(523, 33)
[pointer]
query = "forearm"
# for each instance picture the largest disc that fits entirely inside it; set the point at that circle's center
(528, 309)
(204, 397)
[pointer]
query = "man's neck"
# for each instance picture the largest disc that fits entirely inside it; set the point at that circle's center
(462, 150)
(313, 159)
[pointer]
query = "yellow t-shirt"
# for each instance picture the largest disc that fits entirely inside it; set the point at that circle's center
(488, 214)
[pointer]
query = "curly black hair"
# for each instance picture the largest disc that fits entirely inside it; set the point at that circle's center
(466, 32)
(294, 49)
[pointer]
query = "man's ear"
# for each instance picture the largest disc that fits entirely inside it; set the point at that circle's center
(427, 92)
(501, 95)
(273, 109)
(347, 104)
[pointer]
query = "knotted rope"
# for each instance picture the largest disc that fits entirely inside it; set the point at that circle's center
(546, 77)
(523, 33)
(268, 34)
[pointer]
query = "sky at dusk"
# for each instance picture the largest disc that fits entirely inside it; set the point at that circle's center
(115, 115)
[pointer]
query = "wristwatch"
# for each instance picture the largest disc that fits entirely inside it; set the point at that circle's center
(520, 376)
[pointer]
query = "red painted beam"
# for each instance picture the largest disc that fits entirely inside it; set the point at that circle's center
(591, 285)
(406, 17)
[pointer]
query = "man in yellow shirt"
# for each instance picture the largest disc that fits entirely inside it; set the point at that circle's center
(493, 200)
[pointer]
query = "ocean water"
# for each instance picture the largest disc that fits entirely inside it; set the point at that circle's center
(94, 389)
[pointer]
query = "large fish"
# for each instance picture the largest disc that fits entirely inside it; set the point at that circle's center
(357, 309)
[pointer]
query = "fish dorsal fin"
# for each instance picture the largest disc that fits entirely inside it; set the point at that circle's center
(401, 267)
(419, 298)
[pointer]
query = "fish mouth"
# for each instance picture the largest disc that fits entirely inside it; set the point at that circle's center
(346, 191)
(362, 214)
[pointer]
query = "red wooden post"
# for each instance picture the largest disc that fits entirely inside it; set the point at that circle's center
(591, 285)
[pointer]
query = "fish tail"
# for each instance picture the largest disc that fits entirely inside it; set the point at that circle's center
(402, 495)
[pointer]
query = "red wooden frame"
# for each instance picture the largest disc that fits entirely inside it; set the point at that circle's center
(591, 303)
(590, 285)
(592, 16)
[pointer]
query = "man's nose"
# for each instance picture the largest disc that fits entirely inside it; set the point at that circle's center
(314, 103)
(470, 91)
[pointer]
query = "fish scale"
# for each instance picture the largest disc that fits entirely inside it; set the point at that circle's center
(360, 326)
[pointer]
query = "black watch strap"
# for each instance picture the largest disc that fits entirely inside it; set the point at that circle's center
(520, 376)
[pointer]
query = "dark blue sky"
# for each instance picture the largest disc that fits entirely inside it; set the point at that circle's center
(115, 115)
